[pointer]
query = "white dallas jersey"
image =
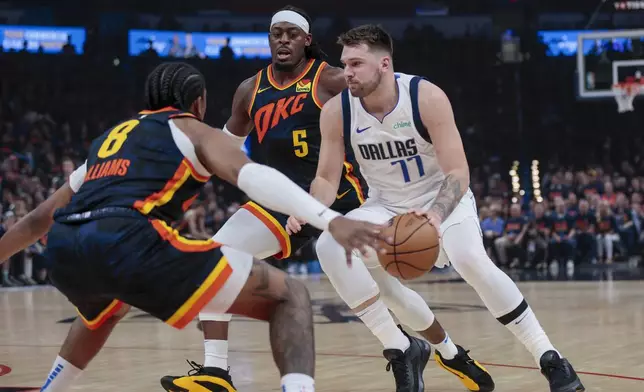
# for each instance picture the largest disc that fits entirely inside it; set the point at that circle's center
(396, 156)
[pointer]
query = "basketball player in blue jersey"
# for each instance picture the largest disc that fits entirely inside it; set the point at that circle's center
(402, 131)
(111, 245)
(282, 104)
(280, 107)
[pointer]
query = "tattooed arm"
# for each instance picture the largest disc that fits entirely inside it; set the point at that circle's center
(437, 116)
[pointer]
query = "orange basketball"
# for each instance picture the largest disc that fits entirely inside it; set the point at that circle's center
(414, 249)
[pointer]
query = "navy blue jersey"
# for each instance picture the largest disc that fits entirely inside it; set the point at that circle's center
(606, 224)
(514, 225)
(137, 164)
(286, 120)
(584, 221)
(541, 224)
(561, 224)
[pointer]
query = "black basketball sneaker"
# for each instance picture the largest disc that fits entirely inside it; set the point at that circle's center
(559, 373)
(211, 378)
(474, 376)
(408, 366)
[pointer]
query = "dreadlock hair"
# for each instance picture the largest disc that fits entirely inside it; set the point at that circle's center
(173, 84)
(312, 51)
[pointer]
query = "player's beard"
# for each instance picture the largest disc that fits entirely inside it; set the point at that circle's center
(367, 88)
(283, 67)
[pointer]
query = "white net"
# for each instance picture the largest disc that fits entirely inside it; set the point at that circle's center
(625, 94)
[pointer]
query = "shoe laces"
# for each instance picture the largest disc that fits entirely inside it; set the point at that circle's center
(464, 356)
(399, 367)
(556, 367)
(196, 368)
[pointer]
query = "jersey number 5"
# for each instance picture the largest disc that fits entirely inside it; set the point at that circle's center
(405, 170)
(116, 138)
(301, 147)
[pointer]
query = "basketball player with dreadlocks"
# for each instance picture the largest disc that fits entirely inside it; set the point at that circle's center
(282, 103)
(111, 245)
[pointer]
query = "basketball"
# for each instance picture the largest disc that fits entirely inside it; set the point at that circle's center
(414, 249)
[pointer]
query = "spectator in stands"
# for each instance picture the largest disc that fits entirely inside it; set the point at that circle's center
(538, 235)
(226, 53)
(636, 212)
(195, 218)
(638, 221)
(606, 233)
(635, 186)
(557, 187)
(8, 220)
(594, 200)
(509, 246)
(571, 204)
(562, 244)
(584, 227)
(492, 228)
(625, 225)
(609, 194)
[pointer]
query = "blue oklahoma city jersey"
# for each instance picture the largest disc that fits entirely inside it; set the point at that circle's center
(396, 156)
(145, 163)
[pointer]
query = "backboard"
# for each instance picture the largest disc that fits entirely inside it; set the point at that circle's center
(607, 58)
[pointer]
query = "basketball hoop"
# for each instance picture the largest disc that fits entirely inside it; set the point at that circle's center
(625, 93)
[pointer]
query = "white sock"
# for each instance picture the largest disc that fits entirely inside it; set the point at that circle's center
(378, 319)
(61, 377)
(216, 353)
(297, 382)
(527, 329)
(447, 348)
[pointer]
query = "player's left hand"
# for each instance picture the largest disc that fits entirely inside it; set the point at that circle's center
(294, 225)
(431, 216)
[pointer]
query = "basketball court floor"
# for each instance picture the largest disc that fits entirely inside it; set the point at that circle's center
(596, 320)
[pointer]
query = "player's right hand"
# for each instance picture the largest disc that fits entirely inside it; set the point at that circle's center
(353, 234)
(294, 225)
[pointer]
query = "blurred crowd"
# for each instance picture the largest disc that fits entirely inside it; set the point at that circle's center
(586, 217)
(51, 107)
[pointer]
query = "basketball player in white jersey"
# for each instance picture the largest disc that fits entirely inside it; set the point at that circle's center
(404, 137)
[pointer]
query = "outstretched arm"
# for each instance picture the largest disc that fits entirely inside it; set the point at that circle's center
(438, 117)
(37, 223)
(220, 156)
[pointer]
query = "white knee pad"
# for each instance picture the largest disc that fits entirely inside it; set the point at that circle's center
(354, 284)
(408, 306)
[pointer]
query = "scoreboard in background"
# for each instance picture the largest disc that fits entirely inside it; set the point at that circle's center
(45, 38)
(186, 44)
(637, 5)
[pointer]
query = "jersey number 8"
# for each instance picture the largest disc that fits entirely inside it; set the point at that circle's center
(116, 138)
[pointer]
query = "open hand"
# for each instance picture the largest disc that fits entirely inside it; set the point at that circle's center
(353, 234)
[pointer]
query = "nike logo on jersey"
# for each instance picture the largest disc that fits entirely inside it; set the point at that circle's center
(362, 130)
(388, 150)
(340, 196)
(261, 90)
